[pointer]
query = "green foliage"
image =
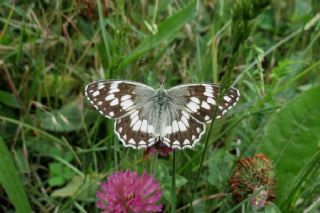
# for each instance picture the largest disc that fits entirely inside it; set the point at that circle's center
(165, 32)
(63, 148)
(11, 182)
(9, 99)
(291, 139)
(59, 172)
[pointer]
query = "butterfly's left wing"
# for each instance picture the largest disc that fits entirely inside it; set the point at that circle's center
(202, 99)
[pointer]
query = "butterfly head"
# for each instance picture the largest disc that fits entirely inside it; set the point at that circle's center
(161, 79)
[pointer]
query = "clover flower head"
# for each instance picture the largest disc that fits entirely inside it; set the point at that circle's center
(128, 192)
(253, 177)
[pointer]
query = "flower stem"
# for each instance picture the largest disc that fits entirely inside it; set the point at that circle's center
(173, 184)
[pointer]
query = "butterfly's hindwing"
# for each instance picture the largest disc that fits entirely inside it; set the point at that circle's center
(201, 100)
(113, 99)
(135, 131)
(183, 131)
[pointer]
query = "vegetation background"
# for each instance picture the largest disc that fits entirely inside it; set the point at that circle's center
(55, 149)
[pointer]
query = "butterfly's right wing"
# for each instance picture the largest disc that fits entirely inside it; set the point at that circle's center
(122, 100)
(193, 105)
(201, 100)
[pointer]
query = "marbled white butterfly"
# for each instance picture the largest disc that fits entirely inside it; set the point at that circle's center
(144, 116)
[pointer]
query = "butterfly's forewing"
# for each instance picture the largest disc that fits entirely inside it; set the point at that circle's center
(118, 99)
(201, 100)
(113, 99)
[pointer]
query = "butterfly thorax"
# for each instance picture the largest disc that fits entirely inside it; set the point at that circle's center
(162, 103)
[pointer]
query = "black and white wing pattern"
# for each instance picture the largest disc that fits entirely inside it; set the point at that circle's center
(197, 103)
(119, 99)
(202, 99)
(144, 116)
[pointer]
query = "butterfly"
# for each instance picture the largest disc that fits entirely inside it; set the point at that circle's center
(144, 116)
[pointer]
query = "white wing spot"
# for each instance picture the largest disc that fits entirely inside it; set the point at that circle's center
(185, 121)
(195, 99)
(205, 105)
(125, 137)
(198, 130)
(134, 120)
(185, 114)
(114, 102)
(111, 113)
(220, 107)
(126, 104)
(120, 129)
(114, 86)
(193, 137)
(113, 91)
(175, 127)
(100, 103)
(133, 113)
(167, 143)
(206, 118)
(109, 97)
(211, 101)
(132, 141)
(137, 126)
(209, 94)
(186, 142)
(209, 89)
(176, 143)
(227, 98)
(182, 127)
(193, 106)
(144, 126)
(125, 97)
(96, 93)
(142, 142)
(101, 86)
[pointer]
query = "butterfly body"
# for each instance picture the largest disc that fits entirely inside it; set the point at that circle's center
(145, 116)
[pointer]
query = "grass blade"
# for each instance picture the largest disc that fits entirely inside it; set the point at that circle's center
(11, 182)
(166, 31)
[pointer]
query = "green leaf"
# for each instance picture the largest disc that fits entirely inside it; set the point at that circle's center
(8, 99)
(166, 31)
(270, 208)
(180, 181)
(66, 119)
(291, 139)
(220, 166)
(79, 187)
(11, 182)
(163, 176)
(56, 181)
